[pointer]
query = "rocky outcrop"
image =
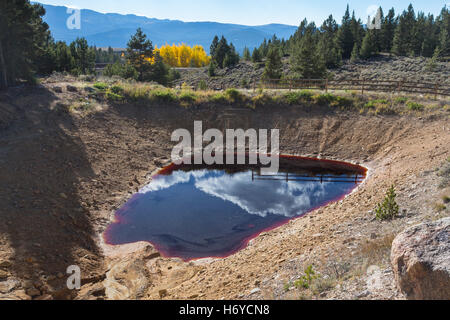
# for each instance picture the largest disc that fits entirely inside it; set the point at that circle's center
(420, 259)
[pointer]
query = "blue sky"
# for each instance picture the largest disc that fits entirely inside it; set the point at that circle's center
(248, 12)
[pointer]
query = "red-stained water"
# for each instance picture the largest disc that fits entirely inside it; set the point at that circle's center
(198, 211)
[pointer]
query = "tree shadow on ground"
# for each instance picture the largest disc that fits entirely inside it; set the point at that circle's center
(42, 218)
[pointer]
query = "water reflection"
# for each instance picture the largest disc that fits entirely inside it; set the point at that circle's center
(195, 213)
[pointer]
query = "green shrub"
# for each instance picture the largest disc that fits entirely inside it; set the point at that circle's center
(117, 89)
(101, 86)
(233, 95)
(343, 102)
(163, 95)
(414, 106)
(306, 280)
(388, 209)
(324, 99)
(244, 83)
(263, 99)
(202, 85)
(173, 75)
(374, 104)
(401, 100)
(296, 97)
(137, 93)
(218, 98)
(446, 199)
(384, 109)
(188, 97)
(110, 95)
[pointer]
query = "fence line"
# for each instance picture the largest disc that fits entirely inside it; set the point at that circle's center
(357, 84)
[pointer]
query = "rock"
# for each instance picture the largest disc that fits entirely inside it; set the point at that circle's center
(57, 89)
(420, 260)
(16, 295)
(71, 88)
(45, 297)
(163, 293)
(256, 290)
(8, 286)
(33, 292)
(363, 294)
(91, 291)
(5, 264)
(3, 275)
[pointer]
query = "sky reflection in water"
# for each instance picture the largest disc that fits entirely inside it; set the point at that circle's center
(212, 213)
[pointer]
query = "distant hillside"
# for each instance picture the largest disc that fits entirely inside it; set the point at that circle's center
(114, 30)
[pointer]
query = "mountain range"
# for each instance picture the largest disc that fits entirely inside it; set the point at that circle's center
(111, 29)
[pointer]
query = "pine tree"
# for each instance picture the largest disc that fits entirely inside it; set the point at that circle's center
(256, 56)
(443, 49)
(355, 53)
(377, 34)
(23, 38)
(345, 35)
(430, 37)
(160, 71)
(246, 55)
(231, 57)
(369, 46)
(388, 209)
(212, 69)
(357, 28)
(387, 31)
(64, 61)
(306, 60)
(83, 55)
(140, 53)
(418, 34)
(403, 36)
(214, 45)
(221, 51)
(274, 66)
(327, 47)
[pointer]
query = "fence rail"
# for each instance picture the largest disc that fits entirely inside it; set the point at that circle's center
(358, 85)
(355, 179)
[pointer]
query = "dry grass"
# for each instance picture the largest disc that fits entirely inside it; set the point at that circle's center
(374, 252)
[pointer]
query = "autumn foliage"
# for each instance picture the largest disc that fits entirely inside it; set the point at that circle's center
(183, 56)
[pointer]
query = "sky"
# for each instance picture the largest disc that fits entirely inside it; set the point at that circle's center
(248, 12)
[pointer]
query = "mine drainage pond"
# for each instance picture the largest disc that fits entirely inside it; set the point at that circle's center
(198, 211)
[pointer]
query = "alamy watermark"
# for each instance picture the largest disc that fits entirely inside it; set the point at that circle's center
(74, 279)
(74, 20)
(374, 17)
(226, 149)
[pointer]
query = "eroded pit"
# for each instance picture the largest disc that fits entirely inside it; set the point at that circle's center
(199, 211)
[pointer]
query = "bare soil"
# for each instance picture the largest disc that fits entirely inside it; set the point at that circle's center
(62, 176)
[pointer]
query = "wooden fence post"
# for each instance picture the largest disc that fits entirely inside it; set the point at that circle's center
(436, 90)
(326, 85)
(362, 88)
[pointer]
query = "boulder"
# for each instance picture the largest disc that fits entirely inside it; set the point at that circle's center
(57, 89)
(71, 88)
(420, 260)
